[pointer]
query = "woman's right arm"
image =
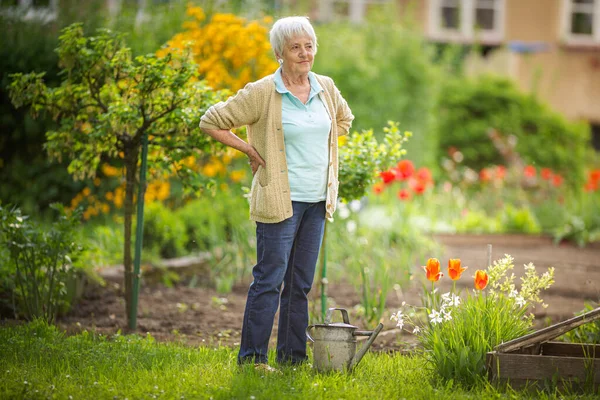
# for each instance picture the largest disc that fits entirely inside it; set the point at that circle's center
(230, 139)
(238, 110)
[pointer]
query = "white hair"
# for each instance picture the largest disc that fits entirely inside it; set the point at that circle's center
(286, 28)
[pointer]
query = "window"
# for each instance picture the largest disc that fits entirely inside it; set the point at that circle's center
(582, 21)
(466, 20)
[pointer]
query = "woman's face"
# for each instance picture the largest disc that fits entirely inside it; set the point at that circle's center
(298, 55)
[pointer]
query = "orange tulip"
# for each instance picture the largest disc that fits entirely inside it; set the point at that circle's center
(433, 270)
(481, 279)
(454, 269)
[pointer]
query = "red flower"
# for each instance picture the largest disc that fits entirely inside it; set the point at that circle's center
(403, 194)
(481, 279)
(500, 172)
(546, 174)
(485, 175)
(529, 171)
(404, 170)
(417, 186)
(433, 270)
(387, 176)
(557, 180)
(595, 175)
(424, 175)
(454, 269)
(591, 186)
(378, 188)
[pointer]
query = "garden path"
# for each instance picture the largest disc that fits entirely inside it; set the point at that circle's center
(202, 316)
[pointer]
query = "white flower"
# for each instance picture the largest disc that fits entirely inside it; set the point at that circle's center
(355, 205)
(520, 301)
(399, 317)
(513, 293)
(447, 316)
(417, 330)
(455, 301)
(343, 212)
(351, 226)
(400, 323)
(446, 297)
(435, 317)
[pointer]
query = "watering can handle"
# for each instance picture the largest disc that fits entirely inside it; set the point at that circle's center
(365, 346)
(344, 315)
(308, 334)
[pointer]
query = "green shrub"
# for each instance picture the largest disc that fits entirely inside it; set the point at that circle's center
(220, 225)
(470, 108)
(518, 220)
(211, 221)
(164, 234)
(586, 333)
(476, 222)
(39, 268)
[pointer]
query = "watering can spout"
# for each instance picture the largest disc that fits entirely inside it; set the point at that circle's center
(372, 335)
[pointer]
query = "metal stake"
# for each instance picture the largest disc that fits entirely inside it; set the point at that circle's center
(138, 235)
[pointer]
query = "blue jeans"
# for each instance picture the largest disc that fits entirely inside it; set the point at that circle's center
(287, 253)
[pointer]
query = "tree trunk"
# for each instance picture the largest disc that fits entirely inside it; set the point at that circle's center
(131, 159)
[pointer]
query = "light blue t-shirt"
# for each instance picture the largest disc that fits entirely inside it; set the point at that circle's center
(306, 130)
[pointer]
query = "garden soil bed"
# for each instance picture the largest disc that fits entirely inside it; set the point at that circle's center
(201, 316)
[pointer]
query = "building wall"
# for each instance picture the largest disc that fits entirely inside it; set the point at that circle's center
(416, 10)
(568, 80)
(533, 20)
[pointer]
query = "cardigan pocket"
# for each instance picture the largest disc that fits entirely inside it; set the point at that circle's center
(263, 202)
(260, 176)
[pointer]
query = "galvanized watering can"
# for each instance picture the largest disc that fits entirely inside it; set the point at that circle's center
(335, 344)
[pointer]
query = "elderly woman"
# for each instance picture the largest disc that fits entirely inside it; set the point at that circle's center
(294, 118)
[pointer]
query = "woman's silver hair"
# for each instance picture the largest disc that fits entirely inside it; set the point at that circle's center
(286, 28)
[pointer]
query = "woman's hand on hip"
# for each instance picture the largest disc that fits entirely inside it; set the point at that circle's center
(255, 159)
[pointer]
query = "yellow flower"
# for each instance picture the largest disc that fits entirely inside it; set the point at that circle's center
(225, 47)
(237, 175)
(210, 170)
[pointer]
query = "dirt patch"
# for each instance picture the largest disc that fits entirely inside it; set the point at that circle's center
(201, 316)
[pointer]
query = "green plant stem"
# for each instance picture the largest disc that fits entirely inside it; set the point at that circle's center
(20, 282)
(30, 274)
(51, 288)
(324, 274)
(365, 291)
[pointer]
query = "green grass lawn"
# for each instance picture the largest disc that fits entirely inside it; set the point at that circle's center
(40, 362)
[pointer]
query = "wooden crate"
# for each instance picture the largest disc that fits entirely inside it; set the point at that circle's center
(535, 361)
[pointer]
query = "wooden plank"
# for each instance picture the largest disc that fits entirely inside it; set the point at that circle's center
(549, 333)
(540, 368)
(561, 349)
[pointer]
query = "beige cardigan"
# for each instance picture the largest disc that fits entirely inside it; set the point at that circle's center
(258, 106)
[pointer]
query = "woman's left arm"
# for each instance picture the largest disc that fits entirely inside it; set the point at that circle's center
(343, 114)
